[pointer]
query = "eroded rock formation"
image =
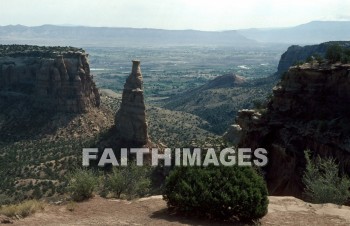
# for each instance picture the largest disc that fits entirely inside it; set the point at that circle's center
(309, 109)
(131, 118)
(52, 78)
(297, 53)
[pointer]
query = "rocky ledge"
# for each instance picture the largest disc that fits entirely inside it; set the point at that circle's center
(50, 78)
(309, 109)
(297, 53)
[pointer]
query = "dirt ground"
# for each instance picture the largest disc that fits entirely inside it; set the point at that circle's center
(152, 211)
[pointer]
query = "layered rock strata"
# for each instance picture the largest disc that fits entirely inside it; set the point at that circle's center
(131, 118)
(51, 80)
(309, 109)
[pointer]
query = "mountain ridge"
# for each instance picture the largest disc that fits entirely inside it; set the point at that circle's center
(309, 33)
(83, 36)
(112, 36)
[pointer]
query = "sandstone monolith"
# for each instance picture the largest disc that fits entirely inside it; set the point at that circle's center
(131, 118)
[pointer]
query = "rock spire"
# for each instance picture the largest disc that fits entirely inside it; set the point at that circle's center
(131, 118)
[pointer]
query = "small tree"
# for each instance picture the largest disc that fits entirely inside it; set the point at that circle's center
(322, 182)
(81, 184)
(132, 181)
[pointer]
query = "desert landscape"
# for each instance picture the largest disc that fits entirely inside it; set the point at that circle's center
(238, 122)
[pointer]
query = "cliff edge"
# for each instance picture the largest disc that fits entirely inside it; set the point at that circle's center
(51, 78)
(297, 53)
(309, 109)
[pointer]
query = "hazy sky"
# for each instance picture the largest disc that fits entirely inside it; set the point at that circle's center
(173, 14)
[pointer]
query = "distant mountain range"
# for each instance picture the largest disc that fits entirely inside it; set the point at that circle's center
(107, 36)
(81, 36)
(311, 33)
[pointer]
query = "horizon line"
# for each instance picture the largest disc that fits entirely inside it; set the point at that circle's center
(167, 29)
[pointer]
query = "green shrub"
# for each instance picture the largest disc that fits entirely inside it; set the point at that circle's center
(217, 192)
(81, 184)
(323, 183)
(131, 181)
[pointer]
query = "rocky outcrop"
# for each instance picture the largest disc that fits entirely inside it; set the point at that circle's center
(131, 118)
(52, 78)
(309, 109)
(224, 81)
(297, 53)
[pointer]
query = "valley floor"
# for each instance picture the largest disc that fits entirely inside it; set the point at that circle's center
(153, 211)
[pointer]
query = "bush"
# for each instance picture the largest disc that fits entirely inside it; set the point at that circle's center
(23, 209)
(81, 184)
(322, 182)
(132, 181)
(217, 192)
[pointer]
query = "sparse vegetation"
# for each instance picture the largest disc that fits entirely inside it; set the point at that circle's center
(298, 63)
(219, 106)
(35, 51)
(22, 209)
(71, 206)
(336, 53)
(315, 57)
(323, 181)
(319, 58)
(40, 147)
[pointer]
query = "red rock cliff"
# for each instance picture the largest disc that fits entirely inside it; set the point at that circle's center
(310, 109)
(50, 79)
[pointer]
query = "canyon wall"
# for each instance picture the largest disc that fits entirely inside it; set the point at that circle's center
(297, 53)
(51, 78)
(309, 109)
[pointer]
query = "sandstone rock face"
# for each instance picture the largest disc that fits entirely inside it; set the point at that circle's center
(309, 109)
(297, 53)
(131, 118)
(52, 80)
